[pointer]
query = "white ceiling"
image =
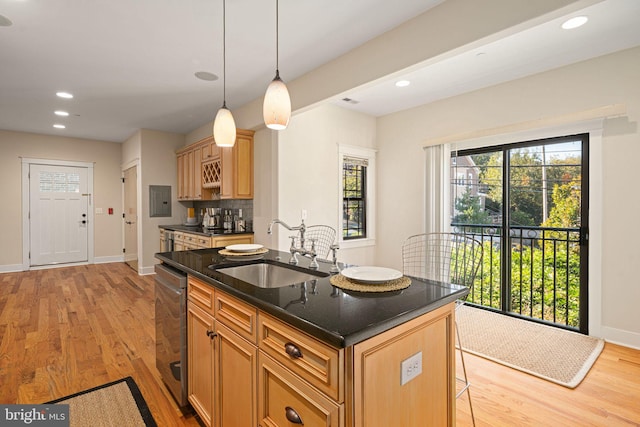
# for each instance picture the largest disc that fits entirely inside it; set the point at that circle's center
(131, 64)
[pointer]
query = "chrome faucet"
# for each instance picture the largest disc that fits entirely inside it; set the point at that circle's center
(293, 249)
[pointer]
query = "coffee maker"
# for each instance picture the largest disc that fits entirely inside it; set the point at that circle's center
(213, 218)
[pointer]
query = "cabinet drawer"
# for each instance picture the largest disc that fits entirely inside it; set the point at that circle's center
(319, 364)
(282, 396)
(218, 242)
(201, 294)
(237, 315)
(202, 241)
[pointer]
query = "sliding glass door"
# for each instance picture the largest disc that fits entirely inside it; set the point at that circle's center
(528, 204)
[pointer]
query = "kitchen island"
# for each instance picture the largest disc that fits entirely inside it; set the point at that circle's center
(313, 353)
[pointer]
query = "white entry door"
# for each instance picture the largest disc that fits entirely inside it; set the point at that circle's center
(58, 214)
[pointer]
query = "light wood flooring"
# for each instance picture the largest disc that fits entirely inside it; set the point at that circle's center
(68, 329)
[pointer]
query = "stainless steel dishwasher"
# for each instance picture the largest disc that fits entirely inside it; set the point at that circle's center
(171, 330)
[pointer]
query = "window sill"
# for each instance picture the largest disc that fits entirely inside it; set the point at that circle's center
(359, 243)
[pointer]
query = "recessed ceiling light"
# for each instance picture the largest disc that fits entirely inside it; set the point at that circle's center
(575, 22)
(206, 76)
(59, 126)
(65, 95)
(61, 113)
(403, 83)
(5, 22)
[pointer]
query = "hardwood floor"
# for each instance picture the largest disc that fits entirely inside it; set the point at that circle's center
(68, 329)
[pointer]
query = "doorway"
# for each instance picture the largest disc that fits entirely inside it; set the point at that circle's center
(130, 217)
(528, 204)
(57, 213)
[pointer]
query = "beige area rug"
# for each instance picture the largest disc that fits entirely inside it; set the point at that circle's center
(557, 355)
(117, 404)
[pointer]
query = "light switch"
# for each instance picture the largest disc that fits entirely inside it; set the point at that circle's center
(98, 211)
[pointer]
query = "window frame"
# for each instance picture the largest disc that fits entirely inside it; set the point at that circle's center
(346, 151)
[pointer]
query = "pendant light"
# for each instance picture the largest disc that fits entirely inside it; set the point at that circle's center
(276, 109)
(224, 127)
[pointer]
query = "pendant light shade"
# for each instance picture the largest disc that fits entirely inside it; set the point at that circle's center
(276, 109)
(224, 127)
(277, 105)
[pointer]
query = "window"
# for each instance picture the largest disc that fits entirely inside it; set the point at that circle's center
(357, 196)
(354, 198)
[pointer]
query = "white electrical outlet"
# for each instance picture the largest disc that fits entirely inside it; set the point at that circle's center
(411, 368)
(98, 211)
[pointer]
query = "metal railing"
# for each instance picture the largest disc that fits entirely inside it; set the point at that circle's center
(542, 276)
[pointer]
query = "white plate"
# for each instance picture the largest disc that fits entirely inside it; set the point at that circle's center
(244, 247)
(371, 274)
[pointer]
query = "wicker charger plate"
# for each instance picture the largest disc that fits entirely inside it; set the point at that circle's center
(227, 252)
(342, 282)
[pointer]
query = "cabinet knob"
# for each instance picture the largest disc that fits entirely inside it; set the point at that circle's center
(292, 350)
(211, 334)
(292, 415)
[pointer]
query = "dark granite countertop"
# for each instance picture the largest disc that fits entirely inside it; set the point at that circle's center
(337, 317)
(202, 231)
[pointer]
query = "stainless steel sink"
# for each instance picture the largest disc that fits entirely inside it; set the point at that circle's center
(266, 275)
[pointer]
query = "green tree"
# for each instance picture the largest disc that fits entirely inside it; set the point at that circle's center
(469, 210)
(525, 180)
(565, 210)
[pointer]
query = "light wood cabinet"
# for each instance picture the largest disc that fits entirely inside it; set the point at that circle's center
(184, 241)
(263, 371)
(235, 239)
(284, 399)
(222, 363)
(200, 358)
(429, 398)
(235, 379)
(163, 241)
(189, 173)
(208, 172)
(315, 362)
(237, 168)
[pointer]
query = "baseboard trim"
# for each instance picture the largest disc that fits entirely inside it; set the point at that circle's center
(144, 271)
(621, 337)
(108, 259)
(11, 268)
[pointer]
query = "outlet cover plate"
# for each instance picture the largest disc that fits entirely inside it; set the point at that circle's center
(411, 368)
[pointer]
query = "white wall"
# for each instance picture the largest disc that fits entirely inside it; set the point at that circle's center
(158, 167)
(608, 80)
(107, 189)
(155, 154)
(298, 169)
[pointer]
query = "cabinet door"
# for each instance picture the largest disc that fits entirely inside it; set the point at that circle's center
(200, 327)
(236, 378)
(227, 167)
(190, 193)
(197, 174)
(243, 164)
(237, 168)
(285, 400)
(181, 176)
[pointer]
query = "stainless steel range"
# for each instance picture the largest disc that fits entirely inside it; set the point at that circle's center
(171, 330)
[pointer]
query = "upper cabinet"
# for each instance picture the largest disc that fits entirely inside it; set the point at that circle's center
(208, 172)
(237, 168)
